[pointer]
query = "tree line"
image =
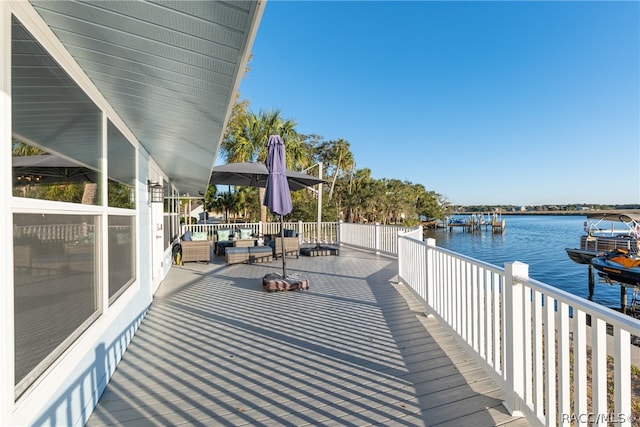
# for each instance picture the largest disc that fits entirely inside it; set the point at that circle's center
(350, 194)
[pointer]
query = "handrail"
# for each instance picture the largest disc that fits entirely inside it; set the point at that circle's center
(539, 342)
(376, 237)
(307, 231)
(545, 347)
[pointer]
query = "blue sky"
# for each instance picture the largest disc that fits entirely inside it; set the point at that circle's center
(521, 103)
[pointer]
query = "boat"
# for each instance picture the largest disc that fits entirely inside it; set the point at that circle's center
(619, 266)
(582, 256)
(606, 232)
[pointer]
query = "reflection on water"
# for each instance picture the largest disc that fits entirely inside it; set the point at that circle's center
(537, 240)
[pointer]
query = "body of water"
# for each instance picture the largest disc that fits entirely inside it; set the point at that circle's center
(540, 242)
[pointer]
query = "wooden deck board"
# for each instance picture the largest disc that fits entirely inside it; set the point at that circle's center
(355, 349)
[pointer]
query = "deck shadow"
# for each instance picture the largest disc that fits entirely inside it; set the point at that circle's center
(354, 350)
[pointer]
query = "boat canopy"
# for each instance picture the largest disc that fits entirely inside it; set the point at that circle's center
(595, 221)
(615, 216)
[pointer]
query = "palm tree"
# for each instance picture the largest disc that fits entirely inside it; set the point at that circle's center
(247, 136)
(225, 202)
(248, 133)
(246, 202)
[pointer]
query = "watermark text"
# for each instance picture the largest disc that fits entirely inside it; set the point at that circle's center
(592, 418)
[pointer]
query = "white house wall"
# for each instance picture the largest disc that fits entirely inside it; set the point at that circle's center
(66, 393)
(6, 232)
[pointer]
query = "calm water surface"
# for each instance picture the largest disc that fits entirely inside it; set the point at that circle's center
(537, 240)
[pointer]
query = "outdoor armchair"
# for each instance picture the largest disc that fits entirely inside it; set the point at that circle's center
(195, 247)
(291, 244)
(291, 247)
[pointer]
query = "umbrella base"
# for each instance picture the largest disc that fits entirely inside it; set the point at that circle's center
(274, 282)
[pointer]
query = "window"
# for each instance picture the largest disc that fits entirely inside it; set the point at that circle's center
(55, 287)
(122, 170)
(57, 142)
(57, 152)
(121, 254)
(57, 129)
(171, 212)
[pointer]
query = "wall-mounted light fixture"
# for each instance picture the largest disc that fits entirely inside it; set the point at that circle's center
(156, 192)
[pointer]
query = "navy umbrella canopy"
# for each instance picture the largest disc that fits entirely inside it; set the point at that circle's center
(258, 175)
(50, 168)
(255, 175)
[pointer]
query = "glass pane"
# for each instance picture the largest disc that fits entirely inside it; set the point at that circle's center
(168, 231)
(57, 129)
(122, 169)
(121, 254)
(55, 285)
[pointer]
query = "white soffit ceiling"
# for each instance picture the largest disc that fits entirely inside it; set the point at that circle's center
(169, 69)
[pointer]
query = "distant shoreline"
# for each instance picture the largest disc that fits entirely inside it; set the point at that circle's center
(569, 213)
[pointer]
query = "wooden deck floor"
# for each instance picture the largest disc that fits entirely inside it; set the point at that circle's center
(353, 350)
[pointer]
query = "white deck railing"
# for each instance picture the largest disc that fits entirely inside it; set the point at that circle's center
(376, 237)
(307, 231)
(549, 350)
(546, 348)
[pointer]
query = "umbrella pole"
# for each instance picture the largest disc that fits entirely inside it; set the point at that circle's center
(319, 225)
(284, 257)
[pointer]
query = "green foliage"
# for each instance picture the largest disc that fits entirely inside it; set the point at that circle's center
(71, 192)
(119, 195)
(210, 198)
(350, 194)
(19, 148)
(247, 134)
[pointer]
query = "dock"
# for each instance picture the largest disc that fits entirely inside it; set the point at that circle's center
(476, 222)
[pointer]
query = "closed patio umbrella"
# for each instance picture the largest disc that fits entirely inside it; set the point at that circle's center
(278, 196)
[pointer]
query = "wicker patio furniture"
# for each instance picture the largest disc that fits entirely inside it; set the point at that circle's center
(196, 249)
(222, 240)
(244, 243)
(291, 246)
(250, 254)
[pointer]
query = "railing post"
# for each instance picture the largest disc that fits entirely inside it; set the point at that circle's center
(514, 335)
(430, 261)
(300, 233)
(376, 238)
(400, 255)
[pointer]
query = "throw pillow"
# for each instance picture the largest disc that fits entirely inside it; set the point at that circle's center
(245, 233)
(199, 235)
(223, 235)
(187, 236)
